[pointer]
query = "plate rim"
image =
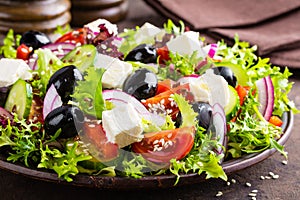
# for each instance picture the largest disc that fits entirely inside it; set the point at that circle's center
(159, 181)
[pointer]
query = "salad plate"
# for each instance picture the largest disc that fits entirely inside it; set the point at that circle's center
(160, 181)
(146, 108)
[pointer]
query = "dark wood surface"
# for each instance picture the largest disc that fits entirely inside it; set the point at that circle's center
(16, 186)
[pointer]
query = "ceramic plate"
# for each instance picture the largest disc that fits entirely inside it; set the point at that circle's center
(162, 181)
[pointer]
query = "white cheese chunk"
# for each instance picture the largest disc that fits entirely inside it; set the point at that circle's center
(122, 125)
(116, 71)
(12, 70)
(103, 61)
(94, 26)
(200, 90)
(146, 32)
(218, 87)
(187, 44)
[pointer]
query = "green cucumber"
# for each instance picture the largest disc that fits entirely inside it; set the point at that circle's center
(19, 99)
(82, 57)
(238, 71)
(233, 103)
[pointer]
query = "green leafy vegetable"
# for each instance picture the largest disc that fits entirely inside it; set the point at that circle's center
(10, 43)
(88, 93)
(47, 64)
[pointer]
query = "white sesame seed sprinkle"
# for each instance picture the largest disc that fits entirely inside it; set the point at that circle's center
(228, 183)
(276, 176)
(284, 162)
(268, 177)
(219, 194)
(271, 173)
(254, 191)
(248, 184)
(233, 180)
(155, 142)
(252, 194)
(169, 135)
(262, 177)
(253, 198)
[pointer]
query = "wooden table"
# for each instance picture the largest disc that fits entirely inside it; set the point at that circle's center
(15, 186)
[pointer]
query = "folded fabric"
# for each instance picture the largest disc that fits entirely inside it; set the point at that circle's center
(282, 33)
(203, 14)
(273, 26)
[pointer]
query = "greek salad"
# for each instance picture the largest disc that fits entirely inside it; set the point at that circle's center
(142, 102)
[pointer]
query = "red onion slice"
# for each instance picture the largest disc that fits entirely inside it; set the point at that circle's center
(52, 100)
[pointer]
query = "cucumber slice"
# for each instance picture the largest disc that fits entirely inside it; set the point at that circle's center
(19, 99)
(82, 57)
(233, 103)
(239, 72)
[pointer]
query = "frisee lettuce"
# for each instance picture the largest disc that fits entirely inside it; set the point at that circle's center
(10, 43)
(88, 93)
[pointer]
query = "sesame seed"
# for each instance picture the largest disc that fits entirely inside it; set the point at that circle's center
(155, 142)
(228, 183)
(219, 194)
(271, 173)
(143, 101)
(248, 184)
(169, 135)
(233, 180)
(267, 177)
(162, 101)
(284, 162)
(275, 176)
(253, 198)
(162, 141)
(252, 194)
(262, 177)
(254, 191)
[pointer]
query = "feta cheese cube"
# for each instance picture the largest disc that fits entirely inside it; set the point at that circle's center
(146, 32)
(187, 44)
(94, 26)
(116, 71)
(218, 88)
(122, 125)
(12, 70)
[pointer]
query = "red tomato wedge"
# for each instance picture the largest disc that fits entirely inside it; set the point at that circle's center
(165, 85)
(163, 54)
(98, 146)
(163, 102)
(23, 52)
(76, 36)
(161, 147)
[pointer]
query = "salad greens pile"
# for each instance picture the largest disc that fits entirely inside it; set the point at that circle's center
(248, 132)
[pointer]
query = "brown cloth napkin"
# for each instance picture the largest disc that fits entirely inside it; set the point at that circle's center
(274, 26)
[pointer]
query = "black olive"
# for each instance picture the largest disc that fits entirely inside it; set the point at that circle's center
(227, 73)
(204, 116)
(64, 80)
(143, 53)
(142, 84)
(68, 118)
(34, 39)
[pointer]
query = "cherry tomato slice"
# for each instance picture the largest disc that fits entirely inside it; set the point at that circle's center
(163, 102)
(76, 36)
(165, 85)
(94, 137)
(163, 54)
(23, 52)
(161, 147)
